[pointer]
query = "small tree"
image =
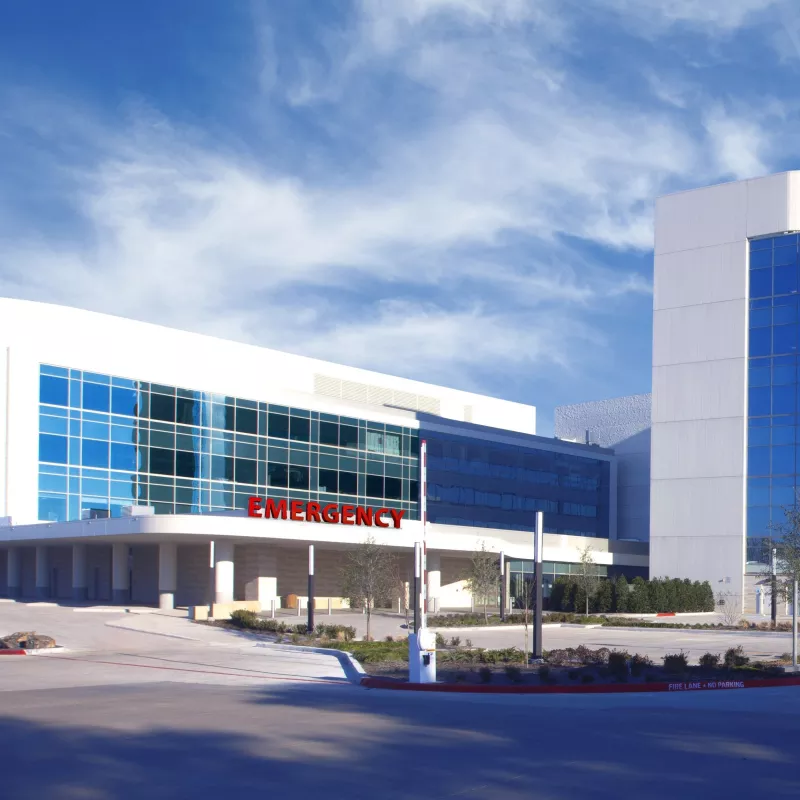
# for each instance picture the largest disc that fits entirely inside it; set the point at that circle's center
(369, 575)
(639, 600)
(787, 561)
(604, 597)
(621, 592)
(587, 578)
(483, 580)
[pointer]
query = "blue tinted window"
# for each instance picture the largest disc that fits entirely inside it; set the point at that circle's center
(782, 460)
(759, 401)
(53, 509)
(786, 279)
(758, 520)
(785, 241)
(123, 457)
(758, 492)
(94, 454)
(785, 311)
(56, 425)
(758, 436)
(760, 259)
(784, 339)
(761, 283)
(760, 341)
(123, 401)
(783, 401)
(760, 244)
(95, 397)
(784, 255)
(758, 460)
(784, 374)
(783, 495)
(759, 376)
(760, 317)
(94, 486)
(52, 483)
(783, 434)
(53, 391)
(53, 448)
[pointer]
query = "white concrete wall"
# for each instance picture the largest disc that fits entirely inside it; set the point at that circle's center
(697, 521)
(621, 423)
(3, 429)
(34, 333)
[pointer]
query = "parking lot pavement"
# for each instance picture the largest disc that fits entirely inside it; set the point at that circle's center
(125, 648)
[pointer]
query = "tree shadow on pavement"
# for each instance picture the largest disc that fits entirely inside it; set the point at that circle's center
(196, 741)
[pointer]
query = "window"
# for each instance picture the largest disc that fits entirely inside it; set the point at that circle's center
(246, 420)
(162, 461)
(221, 468)
(277, 474)
(123, 457)
(123, 401)
(348, 436)
(375, 485)
(53, 391)
(348, 483)
(94, 454)
(761, 283)
(186, 464)
(393, 488)
(96, 397)
(298, 477)
(278, 425)
(162, 407)
(329, 481)
(329, 434)
(53, 449)
(299, 429)
(246, 471)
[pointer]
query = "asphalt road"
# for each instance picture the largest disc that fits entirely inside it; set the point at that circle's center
(336, 741)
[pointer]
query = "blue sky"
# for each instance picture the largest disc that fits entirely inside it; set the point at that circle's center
(458, 191)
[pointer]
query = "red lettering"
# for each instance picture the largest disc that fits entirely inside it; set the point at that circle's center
(348, 515)
(363, 516)
(330, 513)
(297, 510)
(274, 509)
(396, 516)
(378, 521)
(254, 508)
(312, 512)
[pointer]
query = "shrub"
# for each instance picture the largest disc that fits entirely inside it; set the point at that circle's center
(455, 641)
(709, 660)
(460, 677)
(244, 619)
(573, 674)
(544, 672)
(639, 601)
(639, 664)
(468, 643)
(621, 593)
(735, 657)
(604, 597)
(485, 675)
(388, 639)
(440, 640)
(587, 677)
(513, 673)
(618, 662)
(676, 662)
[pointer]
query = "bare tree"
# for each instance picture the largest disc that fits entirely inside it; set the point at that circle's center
(525, 594)
(729, 606)
(484, 577)
(369, 575)
(587, 578)
(787, 560)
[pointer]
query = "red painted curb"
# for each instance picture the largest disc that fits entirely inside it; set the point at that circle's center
(12, 653)
(666, 614)
(615, 688)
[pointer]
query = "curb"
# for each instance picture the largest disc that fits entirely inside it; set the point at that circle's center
(635, 688)
(352, 669)
(13, 653)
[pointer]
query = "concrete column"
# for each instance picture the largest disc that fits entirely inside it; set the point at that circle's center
(14, 573)
(120, 574)
(80, 585)
(263, 585)
(42, 573)
(223, 571)
(167, 575)
(434, 582)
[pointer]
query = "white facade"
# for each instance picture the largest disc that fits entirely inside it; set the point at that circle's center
(39, 333)
(621, 423)
(700, 340)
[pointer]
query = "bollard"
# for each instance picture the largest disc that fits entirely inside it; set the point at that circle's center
(299, 607)
(272, 608)
(330, 606)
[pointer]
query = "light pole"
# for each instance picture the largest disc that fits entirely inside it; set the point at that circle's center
(310, 588)
(538, 542)
(774, 587)
(503, 599)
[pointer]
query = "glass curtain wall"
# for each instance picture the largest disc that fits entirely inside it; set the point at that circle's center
(773, 401)
(106, 442)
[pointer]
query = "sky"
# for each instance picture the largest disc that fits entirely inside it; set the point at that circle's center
(456, 191)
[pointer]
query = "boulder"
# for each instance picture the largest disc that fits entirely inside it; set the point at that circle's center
(27, 640)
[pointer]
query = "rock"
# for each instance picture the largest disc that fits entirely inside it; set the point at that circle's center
(27, 640)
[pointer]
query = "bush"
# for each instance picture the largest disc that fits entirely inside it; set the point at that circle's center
(587, 677)
(639, 664)
(573, 674)
(640, 597)
(618, 662)
(485, 675)
(244, 619)
(440, 640)
(604, 598)
(468, 643)
(455, 641)
(735, 657)
(544, 672)
(513, 673)
(676, 663)
(621, 593)
(709, 660)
